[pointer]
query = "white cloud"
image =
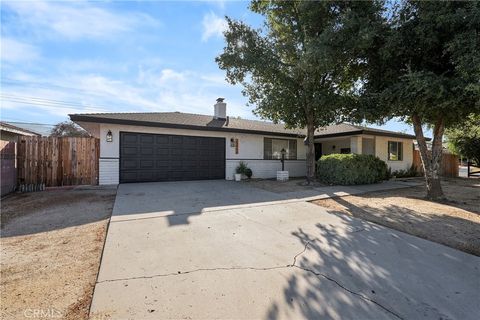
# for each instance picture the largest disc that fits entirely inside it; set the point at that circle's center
(213, 26)
(153, 90)
(75, 20)
(15, 51)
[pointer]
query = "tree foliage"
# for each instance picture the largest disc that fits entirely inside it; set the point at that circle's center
(68, 129)
(464, 138)
(426, 69)
(302, 67)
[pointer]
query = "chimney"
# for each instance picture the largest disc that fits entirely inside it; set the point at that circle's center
(220, 109)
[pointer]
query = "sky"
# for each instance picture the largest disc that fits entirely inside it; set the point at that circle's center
(65, 57)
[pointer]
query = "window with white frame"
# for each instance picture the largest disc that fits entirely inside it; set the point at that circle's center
(273, 148)
(395, 151)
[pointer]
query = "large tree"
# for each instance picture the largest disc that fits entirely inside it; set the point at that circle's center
(68, 129)
(426, 69)
(302, 66)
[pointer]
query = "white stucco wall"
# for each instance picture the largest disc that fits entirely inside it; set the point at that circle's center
(250, 150)
(381, 151)
(380, 148)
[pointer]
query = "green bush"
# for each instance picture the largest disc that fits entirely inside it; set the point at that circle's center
(348, 169)
(412, 172)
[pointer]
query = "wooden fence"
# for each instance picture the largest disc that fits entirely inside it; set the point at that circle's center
(449, 166)
(8, 175)
(53, 162)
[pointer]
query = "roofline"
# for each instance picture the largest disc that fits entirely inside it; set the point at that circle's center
(370, 132)
(18, 130)
(75, 118)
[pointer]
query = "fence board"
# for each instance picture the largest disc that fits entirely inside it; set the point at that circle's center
(7, 162)
(57, 161)
(448, 168)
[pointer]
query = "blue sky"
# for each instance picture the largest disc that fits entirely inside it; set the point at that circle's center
(73, 57)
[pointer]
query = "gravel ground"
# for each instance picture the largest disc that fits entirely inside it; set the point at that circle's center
(455, 223)
(51, 245)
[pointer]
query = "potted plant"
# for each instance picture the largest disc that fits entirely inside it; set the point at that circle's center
(240, 170)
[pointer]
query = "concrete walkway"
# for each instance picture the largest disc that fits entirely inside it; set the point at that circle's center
(219, 249)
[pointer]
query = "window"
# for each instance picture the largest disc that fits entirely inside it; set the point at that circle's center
(345, 150)
(395, 151)
(272, 148)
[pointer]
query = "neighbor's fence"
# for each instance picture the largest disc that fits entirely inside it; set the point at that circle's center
(471, 172)
(8, 170)
(49, 162)
(449, 166)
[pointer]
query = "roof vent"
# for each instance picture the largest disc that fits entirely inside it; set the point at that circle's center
(220, 109)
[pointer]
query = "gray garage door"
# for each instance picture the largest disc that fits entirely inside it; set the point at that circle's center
(158, 157)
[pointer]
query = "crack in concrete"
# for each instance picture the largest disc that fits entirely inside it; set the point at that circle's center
(299, 254)
(350, 291)
(293, 265)
(178, 273)
(319, 274)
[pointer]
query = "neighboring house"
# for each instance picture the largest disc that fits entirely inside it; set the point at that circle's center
(8, 150)
(35, 128)
(171, 146)
(9, 132)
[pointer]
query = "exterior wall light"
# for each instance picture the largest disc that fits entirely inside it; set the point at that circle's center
(109, 136)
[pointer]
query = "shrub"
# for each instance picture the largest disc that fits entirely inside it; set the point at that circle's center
(412, 172)
(348, 169)
(248, 172)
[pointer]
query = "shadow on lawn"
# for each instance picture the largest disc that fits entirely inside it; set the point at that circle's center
(371, 272)
(36, 212)
(452, 231)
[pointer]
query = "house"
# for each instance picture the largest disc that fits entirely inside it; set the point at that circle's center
(10, 132)
(8, 154)
(171, 146)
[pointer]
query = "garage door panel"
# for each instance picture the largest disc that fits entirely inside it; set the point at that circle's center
(128, 150)
(159, 140)
(158, 157)
(146, 139)
(146, 164)
(162, 151)
(176, 140)
(130, 137)
(129, 163)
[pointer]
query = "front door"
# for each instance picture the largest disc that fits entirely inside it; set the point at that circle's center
(318, 151)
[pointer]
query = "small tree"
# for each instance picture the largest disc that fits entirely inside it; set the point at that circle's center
(426, 69)
(301, 70)
(464, 139)
(68, 129)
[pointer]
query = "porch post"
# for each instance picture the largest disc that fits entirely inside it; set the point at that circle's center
(356, 144)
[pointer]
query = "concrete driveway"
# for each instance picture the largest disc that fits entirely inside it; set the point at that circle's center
(226, 250)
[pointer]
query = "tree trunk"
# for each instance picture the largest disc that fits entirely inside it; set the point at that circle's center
(431, 161)
(310, 152)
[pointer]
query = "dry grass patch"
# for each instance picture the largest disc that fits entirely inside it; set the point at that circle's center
(51, 246)
(455, 223)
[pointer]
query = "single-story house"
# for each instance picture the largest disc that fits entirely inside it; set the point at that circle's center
(171, 146)
(10, 132)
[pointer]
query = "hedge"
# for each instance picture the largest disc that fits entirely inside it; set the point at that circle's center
(349, 169)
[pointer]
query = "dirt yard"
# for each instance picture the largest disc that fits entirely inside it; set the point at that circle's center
(455, 223)
(51, 244)
(292, 185)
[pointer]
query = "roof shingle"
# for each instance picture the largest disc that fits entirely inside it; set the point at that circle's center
(205, 122)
